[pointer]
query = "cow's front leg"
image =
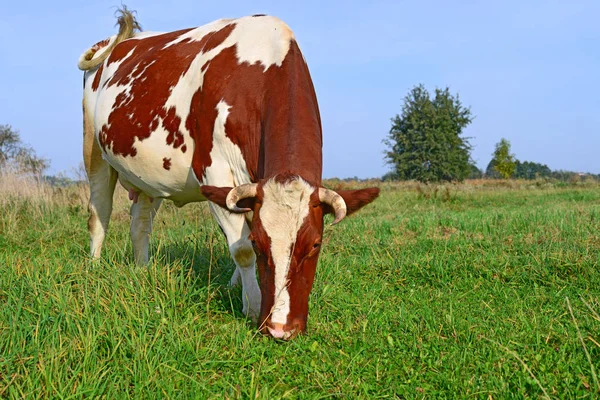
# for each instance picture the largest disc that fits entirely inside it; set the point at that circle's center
(237, 231)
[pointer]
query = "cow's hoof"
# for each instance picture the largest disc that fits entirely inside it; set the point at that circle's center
(251, 314)
(251, 309)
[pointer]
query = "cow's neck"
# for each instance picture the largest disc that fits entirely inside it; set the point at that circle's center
(291, 134)
(295, 151)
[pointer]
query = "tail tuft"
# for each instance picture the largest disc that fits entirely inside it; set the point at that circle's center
(128, 25)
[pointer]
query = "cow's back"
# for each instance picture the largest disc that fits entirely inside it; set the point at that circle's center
(173, 109)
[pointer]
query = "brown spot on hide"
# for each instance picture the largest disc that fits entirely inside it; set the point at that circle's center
(167, 163)
(171, 124)
(100, 44)
(151, 71)
(96, 82)
(90, 54)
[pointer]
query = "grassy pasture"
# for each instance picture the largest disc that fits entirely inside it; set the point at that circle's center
(459, 292)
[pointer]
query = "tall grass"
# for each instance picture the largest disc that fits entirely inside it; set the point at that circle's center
(458, 294)
(15, 185)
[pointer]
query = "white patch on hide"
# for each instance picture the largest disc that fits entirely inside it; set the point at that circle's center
(285, 206)
(228, 165)
(264, 39)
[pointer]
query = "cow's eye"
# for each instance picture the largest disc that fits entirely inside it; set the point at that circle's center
(316, 245)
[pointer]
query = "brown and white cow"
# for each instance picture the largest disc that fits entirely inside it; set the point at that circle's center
(225, 112)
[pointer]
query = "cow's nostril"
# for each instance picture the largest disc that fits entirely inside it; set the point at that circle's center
(278, 331)
(281, 334)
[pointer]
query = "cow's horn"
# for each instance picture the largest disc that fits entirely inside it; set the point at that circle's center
(238, 193)
(335, 201)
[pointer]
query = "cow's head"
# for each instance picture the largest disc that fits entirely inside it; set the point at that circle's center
(286, 233)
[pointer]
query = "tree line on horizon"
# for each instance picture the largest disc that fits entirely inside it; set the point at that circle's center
(426, 144)
(18, 156)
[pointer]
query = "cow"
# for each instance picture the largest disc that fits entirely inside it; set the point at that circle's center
(224, 112)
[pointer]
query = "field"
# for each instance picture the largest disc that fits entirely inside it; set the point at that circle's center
(480, 290)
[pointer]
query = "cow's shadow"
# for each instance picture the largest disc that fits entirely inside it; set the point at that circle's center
(204, 262)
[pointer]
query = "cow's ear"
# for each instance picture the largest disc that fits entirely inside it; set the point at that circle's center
(355, 199)
(218, 195)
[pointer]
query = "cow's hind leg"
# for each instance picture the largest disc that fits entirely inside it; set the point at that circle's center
(142, 214)
(102, 187)
(102, 179)
(236, 230)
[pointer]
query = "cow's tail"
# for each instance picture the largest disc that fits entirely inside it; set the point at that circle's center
(127, 27)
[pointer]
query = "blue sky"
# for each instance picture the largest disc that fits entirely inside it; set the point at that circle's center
(530, 70)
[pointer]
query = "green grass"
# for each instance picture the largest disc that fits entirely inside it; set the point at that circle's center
(458, 296)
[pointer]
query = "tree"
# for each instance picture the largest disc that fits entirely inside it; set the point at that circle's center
(531, 170)
(475, 172)
(389, 176)
(491, 171)
(425, 141)
(17, 154)
(502, 161)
